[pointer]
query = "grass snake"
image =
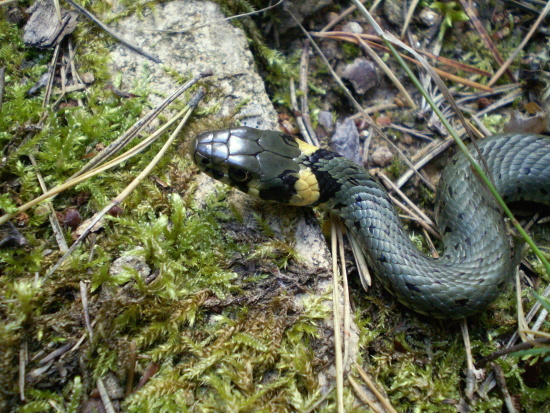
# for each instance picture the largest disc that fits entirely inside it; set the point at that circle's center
(478, 259)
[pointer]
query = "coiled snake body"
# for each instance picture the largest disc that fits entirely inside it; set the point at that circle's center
(478, 259)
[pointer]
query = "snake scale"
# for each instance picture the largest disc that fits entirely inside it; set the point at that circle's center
(478, 259)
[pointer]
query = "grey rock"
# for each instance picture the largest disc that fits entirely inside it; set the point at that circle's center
(382, 156)
(362, 74)
(206, 42)
(345, 140)
(352, 27)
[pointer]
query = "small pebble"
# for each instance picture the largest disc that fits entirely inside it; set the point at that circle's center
(382, 156)
(352, 27)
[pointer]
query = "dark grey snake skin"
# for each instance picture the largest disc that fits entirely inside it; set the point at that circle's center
(478, 259)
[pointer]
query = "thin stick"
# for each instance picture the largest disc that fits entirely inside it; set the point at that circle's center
(385, 402)
(336, 320)
(362, 395)
(345, 290)
(408, 18)
(340, 17)
(84, 299)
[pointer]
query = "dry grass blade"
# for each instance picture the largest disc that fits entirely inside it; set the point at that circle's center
(299, 120)
(304, 107)
(435, 149)
(340, 17)
(385, 402)
(408, 18)
(361, 394)
(361, 262)
(107, 404)
(56, 227)
(338, 356)
(345, 291)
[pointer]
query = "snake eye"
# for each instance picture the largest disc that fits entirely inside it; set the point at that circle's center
(239, 175)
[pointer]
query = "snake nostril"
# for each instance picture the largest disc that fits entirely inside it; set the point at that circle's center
(205, 161)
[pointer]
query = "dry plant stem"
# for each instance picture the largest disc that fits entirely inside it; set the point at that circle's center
(526, 39)
(106, 28)
(385, 402)
(297, 116)
(22, 369)
(392, 187)
(139, 125)
(58, 352)
(105, 397)
(480, 125)
(485, 36)
(304, 109)
(116, 201)
(410, 12)
(431, 245)
(345, 291)
(522, 322)
(361, 394)
(56, 227)
(470, 375)
(340, 17)
(360, 262)
(513, 349)
(2, 84)
(506, 100)
(131, 368)
(436, 150)
(497, 90)
(85, 309)
(49, 85)
(375, 109)
(388, 72)
(416, 218)
(411, 132)
(336, 319)
(6, 2)
(501, 380)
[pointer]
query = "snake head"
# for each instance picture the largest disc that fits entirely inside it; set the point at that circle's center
(264, 164)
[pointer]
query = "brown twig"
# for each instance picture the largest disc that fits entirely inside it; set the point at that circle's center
(518, 347)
